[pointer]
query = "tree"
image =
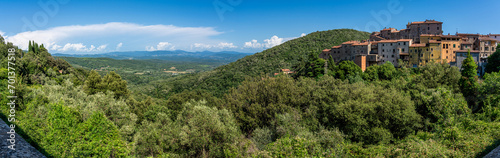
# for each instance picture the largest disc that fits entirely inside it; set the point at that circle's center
(331, 66)
(314, 67)
(386, 71)
(347, 68)
(113, 82)
(93, 84)
(494, 62)
(468, 82)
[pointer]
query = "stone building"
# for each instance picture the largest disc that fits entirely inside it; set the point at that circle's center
(413, 31)
(392, 50)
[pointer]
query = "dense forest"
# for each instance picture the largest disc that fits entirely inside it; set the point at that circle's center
(240, 110)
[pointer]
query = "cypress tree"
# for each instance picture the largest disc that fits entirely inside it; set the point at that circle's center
(468, 82)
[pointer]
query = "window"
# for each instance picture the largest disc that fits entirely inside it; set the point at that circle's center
(383, 50)
(399, 44)
(428, 28)
(437, 28)
(393, 56)
(446, 51)
(403, 50)
(454, 45)
(432, 49)
(427, 49)
(444, 46)
(394, 50)
(432, 55)
(391, 44)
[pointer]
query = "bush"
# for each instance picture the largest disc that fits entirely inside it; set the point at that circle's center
(359, 109)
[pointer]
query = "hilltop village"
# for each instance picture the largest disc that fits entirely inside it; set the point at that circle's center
(420, 43)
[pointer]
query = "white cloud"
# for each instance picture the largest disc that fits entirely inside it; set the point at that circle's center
(161, 46)
(111, 32)
(252, 44)
(273, 41)
(102, 47)
(221, 45)
(2, 33)
(119, 46)
(78, 47)
(269, 43)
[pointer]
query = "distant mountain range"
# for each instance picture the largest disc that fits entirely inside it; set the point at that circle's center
(177, 55)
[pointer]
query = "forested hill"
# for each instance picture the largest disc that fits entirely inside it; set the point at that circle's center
(268, 61)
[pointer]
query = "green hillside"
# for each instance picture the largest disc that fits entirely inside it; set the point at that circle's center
(266, 62)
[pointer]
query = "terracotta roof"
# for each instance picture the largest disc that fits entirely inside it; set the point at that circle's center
(335, 47)
(326, 50)
(467, 34)
(428, 35)
(361, 44)
(404, 40)
(418, 45)
(434, 41)
(285, 70)
(387, 29)
(426, 22)
(387, 41)
(466, 42)
(487, 39)
(350, 42)
(450, 36)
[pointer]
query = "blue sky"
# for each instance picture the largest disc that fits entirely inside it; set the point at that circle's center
(99, 26)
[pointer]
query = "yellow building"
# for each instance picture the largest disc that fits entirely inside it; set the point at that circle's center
(424, 38)
(417, 53)
(423, 53)
(450, 44)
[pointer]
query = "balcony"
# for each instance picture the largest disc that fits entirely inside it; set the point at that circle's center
(404, 56)
(372, 58)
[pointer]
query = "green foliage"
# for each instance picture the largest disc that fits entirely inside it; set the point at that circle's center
(61, 132)
(140, 73)
(468, 82)
(294, 147)
(490, 95)
(314, 67)
(394, 112)
(199, 131)
(359, 110)
(386, 71)
(347, 68)
(256, 102)
(434, 75)
(93, 83)
(176, 102)
(269, 61)
(493, 62)
(100, 138)
(112, 82)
